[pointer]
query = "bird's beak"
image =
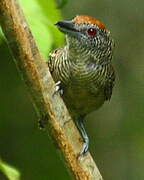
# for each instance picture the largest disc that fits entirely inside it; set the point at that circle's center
(67, 27)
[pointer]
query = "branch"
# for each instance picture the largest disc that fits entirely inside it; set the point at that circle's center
(41, 87)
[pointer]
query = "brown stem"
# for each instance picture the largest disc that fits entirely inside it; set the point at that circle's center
(41, 87)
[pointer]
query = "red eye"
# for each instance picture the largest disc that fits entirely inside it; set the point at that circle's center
(92, 32)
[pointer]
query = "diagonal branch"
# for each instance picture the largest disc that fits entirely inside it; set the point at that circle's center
(41, 86)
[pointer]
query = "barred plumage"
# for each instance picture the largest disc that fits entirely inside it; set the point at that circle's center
(92, 80)
(84, 67)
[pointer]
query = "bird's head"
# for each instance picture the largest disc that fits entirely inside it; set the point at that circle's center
(86, 34)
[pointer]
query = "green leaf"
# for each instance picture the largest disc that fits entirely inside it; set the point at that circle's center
(41, 16)
(52, 14)
(10, 172)
(1, 36)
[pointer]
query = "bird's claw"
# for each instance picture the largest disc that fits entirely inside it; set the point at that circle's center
(85, 147)
(58, 88)
(43, 121)
(84, 136)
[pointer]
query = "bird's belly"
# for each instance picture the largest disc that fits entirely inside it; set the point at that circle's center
(82, 100)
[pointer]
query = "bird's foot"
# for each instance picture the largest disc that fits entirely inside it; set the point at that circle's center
(58, 88)
(84, 136)
(85, 146)
(43, 121)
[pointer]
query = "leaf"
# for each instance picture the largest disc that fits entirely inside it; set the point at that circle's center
(41, 16)
(52, 14)
(1, 36)
(10, 172)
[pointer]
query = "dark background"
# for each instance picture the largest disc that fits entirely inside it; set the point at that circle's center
(116, 131)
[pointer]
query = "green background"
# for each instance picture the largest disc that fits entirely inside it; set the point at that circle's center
(116, 130)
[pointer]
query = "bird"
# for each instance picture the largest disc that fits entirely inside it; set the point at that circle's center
(82, 68)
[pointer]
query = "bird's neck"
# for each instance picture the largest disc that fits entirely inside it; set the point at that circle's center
(80, 54)
(77, 53)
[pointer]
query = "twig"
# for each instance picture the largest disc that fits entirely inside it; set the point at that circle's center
(41, 86)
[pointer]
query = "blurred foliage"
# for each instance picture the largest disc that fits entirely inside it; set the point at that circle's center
(116, 130)
(10, 172)
(41, 16)
(1, 36)
(62, 3)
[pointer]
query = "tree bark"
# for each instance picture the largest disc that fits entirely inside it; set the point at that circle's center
(49, 105)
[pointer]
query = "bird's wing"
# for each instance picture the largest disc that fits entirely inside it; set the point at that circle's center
(58, 66)
(110, 82)
(54, 57)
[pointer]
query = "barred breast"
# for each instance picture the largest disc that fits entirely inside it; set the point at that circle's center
(86, 85)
